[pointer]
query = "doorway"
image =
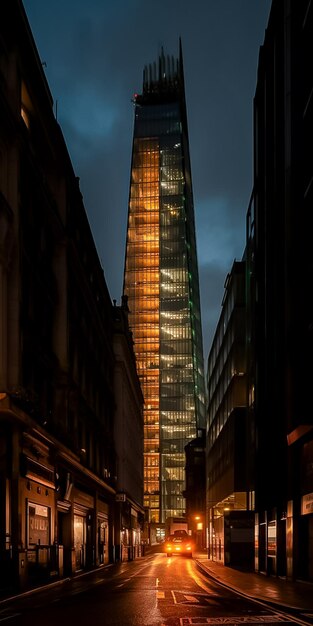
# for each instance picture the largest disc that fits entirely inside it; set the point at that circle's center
(79, 541)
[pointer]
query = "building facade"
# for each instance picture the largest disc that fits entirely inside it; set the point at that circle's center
(281, 265)
(266, 467)
(58, 466)
(195, 493)
(230, 520)
(162, 285)
(128, 436)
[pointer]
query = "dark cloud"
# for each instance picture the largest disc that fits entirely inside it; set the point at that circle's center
(95, 52)
(212, 277)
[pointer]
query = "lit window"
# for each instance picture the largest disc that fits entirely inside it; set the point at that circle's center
(26, 105)
(25, 116)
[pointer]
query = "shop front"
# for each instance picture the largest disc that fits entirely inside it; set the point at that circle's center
(102, 533)
(305, 533)
(128, 535)
(36, 506)
(231, 538)
(83, 526)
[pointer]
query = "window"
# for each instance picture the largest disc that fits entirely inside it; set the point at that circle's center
(26, 105)
(38, 524)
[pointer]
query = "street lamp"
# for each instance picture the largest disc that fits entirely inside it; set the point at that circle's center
(199, 531)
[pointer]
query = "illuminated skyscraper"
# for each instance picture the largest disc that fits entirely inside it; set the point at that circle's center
(162, 285)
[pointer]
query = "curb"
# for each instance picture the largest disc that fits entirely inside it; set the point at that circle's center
(23, 594)
(53, 584)
(271, 603)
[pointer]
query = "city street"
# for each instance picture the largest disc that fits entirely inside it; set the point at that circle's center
(153, 591)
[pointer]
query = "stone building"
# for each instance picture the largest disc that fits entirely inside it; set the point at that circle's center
(58, 467)
(128, 435)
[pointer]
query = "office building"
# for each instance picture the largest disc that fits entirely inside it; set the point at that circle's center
(229, 502)
(162, 285)
(195, 493)
(281, 266)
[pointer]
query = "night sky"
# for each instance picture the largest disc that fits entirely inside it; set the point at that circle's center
(94, 52)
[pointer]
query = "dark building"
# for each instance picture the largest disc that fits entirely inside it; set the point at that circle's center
(230, 504)
(128, 436)
(195, 487)
(281, 314)
(162, 285)
(277, 481)
(58, 467)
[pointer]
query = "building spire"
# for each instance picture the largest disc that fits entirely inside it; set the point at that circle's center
(164, 75)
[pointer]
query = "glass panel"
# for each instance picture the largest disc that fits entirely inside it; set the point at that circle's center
(161, 281)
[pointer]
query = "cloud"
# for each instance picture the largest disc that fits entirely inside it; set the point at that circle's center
(89, 115)
(220, 232)
(95, 53)
(212, 280)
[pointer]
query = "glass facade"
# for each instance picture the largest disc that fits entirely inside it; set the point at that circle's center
(162, 285)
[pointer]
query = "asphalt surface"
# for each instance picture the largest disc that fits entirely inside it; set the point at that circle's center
(153, 591)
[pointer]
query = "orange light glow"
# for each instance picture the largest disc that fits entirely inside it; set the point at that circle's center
(142, 279)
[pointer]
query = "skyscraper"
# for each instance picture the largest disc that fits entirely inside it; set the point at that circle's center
(162, 285)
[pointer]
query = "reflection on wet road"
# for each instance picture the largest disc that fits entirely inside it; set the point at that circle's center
(154, 591)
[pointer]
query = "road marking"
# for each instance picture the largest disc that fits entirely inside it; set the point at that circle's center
(196, 599)
(256, 619)
(191, 598)
(123, 583)
(3, 619)
(160, 595)
(73, 593)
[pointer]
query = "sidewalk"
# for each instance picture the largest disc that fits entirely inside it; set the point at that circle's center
(298, 595)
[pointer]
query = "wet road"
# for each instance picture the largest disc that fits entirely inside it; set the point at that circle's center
(154, 591)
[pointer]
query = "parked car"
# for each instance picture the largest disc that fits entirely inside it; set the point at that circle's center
(178, 543)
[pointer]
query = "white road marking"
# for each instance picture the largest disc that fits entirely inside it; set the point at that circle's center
(191, 598)
(124, 582)
(256, 619)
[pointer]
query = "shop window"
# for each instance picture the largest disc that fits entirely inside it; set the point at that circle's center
(38, 524)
